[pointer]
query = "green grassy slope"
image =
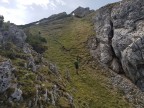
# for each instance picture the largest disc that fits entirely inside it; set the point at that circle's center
(67, 39)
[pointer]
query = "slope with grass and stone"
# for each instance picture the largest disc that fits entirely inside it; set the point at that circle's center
(66, 39)
(37, 63)
(27, 79)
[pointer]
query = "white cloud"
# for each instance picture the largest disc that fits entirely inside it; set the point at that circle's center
(42, 3)
(52, 5)
(19, 12)
(13, 15)
(5, 1)
(61, 2)
(26, 11)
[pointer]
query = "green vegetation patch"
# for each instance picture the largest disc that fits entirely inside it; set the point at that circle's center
(36, 41)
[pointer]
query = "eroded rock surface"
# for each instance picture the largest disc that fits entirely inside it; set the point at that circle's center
(17, 95)
(5, 75)
(10, 33)
(119, 41)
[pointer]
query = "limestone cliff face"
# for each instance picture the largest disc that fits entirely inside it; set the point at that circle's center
(119, 40)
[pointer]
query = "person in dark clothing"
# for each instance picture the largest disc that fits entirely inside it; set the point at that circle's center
(76, 63)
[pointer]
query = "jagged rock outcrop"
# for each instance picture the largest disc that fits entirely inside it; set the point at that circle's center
(6, 70)
(119, 41)
(31, 64)
(53, 69)
(17, 95)
(81, 12)
(12, 34)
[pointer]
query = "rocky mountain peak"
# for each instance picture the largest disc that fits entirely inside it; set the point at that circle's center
(81, 12)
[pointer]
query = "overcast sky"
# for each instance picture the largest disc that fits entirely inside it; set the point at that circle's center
(26, 11)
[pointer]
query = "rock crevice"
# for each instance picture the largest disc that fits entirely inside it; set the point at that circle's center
(119, 30)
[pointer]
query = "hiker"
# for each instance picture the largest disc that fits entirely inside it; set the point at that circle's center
(76, 63)
(39, 33)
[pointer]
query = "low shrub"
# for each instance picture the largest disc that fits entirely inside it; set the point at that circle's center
(36, 41)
